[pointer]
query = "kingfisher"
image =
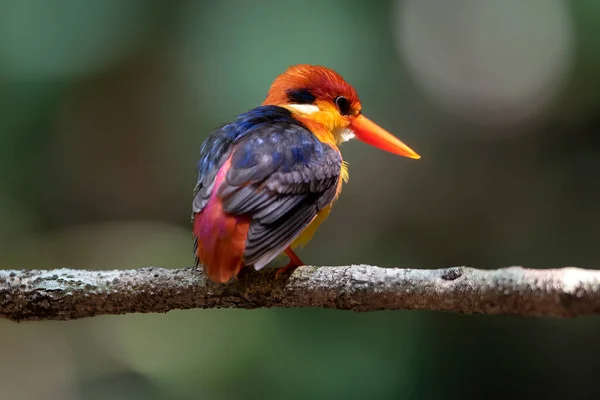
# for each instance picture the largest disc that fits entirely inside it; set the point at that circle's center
(269, 178)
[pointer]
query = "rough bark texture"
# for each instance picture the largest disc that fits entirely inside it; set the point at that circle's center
(65, 294)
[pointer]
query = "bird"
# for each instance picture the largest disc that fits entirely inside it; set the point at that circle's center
(268, 179)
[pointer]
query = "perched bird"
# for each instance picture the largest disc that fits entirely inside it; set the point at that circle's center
(267, 180)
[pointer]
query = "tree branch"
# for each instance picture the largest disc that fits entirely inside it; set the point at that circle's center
(64, 294)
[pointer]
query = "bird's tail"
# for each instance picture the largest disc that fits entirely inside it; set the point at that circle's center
(221, 238)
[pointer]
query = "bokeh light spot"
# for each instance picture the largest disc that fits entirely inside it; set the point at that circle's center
(491, 62)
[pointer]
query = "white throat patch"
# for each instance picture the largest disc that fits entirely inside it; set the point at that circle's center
(347, 134)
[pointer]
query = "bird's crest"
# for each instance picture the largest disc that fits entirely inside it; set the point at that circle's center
(305, 84)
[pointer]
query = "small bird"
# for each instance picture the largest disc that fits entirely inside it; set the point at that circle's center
(269, 178)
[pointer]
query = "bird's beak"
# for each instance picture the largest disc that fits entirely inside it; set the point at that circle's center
(371, 133)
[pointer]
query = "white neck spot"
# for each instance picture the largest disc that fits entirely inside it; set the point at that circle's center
(304, 108)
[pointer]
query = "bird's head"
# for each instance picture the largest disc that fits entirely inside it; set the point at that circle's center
(320, 94)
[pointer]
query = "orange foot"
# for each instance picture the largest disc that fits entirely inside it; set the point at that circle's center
(295, 261)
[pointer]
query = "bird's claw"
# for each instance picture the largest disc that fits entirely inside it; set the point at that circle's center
(294, 263)
(281, 270)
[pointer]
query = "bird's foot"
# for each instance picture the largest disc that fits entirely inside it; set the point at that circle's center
(295, 262)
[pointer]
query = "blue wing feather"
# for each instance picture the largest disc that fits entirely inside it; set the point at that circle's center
(218, 146)
(280, 174)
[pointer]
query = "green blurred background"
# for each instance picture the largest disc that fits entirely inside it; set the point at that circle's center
(103, 108)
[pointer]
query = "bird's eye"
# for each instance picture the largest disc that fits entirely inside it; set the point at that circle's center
(343, 105)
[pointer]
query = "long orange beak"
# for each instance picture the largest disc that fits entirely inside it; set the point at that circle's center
(371, 133)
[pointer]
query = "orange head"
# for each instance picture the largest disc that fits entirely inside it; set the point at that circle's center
(322, 95)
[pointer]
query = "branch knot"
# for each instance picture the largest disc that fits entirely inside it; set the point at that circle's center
(452, 274)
